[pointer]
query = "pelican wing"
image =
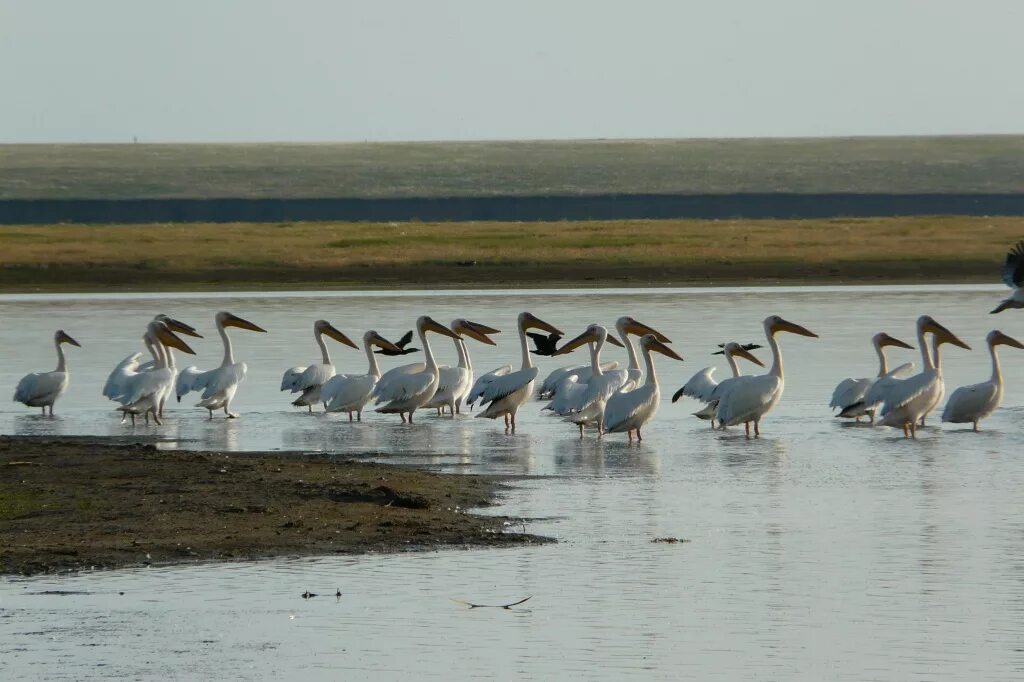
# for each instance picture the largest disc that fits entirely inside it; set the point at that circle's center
(549, 387)
(313, 376)
(40, 387)
(147, 385)
(508, 384)
(290, 379)
(405, 387)
(1013, 269)
(876, 395)
(119, 376)
(344, 390)
(745, 396)
(223, 378)
(623, 407)
(970, 402)
(481, 384)
(902, 391)
(700, 386)
(567, 395)
(190, 379)
(850, 391)
(392, 375)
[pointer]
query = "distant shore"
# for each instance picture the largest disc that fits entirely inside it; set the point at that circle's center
(331, 255)
(81, 503)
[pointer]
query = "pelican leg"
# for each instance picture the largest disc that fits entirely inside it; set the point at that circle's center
(156, 418)
(146, 415)
(976, 426)
(44, 410)
(458, 407)
(906, 433)
(913, 430)
(513, 422)
(757, 427)
(231, 415)
(581, 430)
(506, 421)
(857, 419)
(410, 417)
(133, 419)
(638, 436)
(310, 408)
(746, 426)
(402, 415)
(350, 417)
(325, 407)
(712, 423)
(359, 415)
(629, 435)
(922, 420)
(871, 418)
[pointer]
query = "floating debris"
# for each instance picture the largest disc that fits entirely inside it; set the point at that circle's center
(670, 540)
(491, 606)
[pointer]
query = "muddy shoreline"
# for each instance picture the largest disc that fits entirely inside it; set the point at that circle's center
(72, 504)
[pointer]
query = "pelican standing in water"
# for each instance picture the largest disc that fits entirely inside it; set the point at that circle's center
(586, 405)
(41, 389)
(971, 404)
(146, 390)
(350, 392)
(907, 401)
(629, 410)
(219, 384)
(703, 387)
(1013, 276)
(751, 397)
(308, 380)
(506, 394)
(411, 391)
(849, 396)
(454, 382)
(481, 384)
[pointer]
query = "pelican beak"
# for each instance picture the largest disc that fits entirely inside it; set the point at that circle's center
(659, 347)
(64, 338)
(235, 321)
(432, 325)
(892, 341)
(181, 327)
(1003, 305)
(943, 335)
(168, 338)
(569, 346)
(1005, 340)
(614, 341)
(381, 342)
(476, 331)
(747, 355)
(338, 336)
(792, 328)
(531, 321)
(637, 328)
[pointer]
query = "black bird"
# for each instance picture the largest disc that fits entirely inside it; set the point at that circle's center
(401, 343)
(546, 343)
(746, 346)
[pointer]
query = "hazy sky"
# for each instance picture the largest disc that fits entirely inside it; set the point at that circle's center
(310, 70)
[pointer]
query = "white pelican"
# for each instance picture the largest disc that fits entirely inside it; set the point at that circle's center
(909, 400)
(751, 397)
(849, 396)
(308, 380)
(454, 382)
(703, 387)
(481, 384)
(218, 384)
(41, 389)
(411, 391)
(971, 404)
(146, 390)
(553, 382)
(587, 403)
(1013, 276)
(629, 410)
(350, 392)
(505, 394)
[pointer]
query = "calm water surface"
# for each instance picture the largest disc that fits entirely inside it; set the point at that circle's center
(819, 551)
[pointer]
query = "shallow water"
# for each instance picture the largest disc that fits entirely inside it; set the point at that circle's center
(819, 551)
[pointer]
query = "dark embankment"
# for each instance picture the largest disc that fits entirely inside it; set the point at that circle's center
(82, 503)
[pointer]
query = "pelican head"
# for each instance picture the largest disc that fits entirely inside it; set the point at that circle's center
(531, 321)
(881, 340)
(326, 328)
(374, 339)
(178, 326)
(926, 324)
(650, 343)
(427, 324)
(474, 330)
(594, 333)
(60, 336)
(775, 324)
(736, 350)
(226, 319)
(997, 338)
(162, 332)
(630, 325)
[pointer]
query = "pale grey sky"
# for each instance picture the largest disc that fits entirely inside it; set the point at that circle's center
(338, 70)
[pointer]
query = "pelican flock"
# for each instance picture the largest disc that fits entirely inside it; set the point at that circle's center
(596, 394)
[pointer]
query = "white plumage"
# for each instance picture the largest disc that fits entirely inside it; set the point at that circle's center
(308, 380)
(850, 396)
(971, 404)
(42, 389)
(481, 384)
(408, 392)
(350, 392)
(629, 410)
(703, 387)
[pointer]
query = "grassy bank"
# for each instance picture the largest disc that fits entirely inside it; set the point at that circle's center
(925, 249)
(887, 164)
(81, 503)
